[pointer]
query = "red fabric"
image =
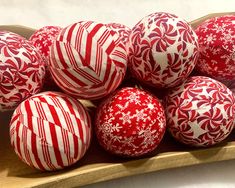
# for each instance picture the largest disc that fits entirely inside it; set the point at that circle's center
(50, 131)
(88, 60)
(22, 70)
(216, 39)
(163, 50)
(130, 122)
(42, 39)
(200, 112)
(122, 31)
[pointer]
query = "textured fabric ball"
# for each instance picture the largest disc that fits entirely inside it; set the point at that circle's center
(50, 131)
(22, 70)
(163, 50)
(122, 31)
(87, 60)
(216, 38)
(130, 123)
(42, 39)
(232, 87)
(200, 112)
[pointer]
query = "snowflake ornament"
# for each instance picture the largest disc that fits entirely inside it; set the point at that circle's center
(135, 125)
(216, 38)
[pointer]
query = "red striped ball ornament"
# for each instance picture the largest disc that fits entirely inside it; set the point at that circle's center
(87, 60)
(50, 131)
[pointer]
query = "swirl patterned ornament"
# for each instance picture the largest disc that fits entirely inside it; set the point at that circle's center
(216, 39)
(50, 131)
(22, 70)
(200, 112)
(163, 50)
(88, 60)
(130, 123)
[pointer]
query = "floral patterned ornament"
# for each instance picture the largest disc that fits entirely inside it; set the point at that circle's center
(163, 50)
(130, 123)
(42, 39)
(216, 39)
(200, 112)
(22, 70)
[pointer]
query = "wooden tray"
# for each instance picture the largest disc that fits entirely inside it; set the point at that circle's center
(97, 165)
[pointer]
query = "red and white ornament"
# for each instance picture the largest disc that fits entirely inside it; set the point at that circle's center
(122, 31)
(216, 39)
(130, 123)
(22, 70)
(87, 60)
(50, 131)
(232, 87)
(42, 39)
(163, 50)
(200, 112)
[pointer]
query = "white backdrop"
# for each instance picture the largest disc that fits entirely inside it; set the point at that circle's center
(38, 13)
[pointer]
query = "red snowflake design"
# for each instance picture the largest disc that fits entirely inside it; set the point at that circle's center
(21, 70)
(217, 50)
(42, 39)
(200, 112)
(122, 31)
(130, 123)
(163, 50)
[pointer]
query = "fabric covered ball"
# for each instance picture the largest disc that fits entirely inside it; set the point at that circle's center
(50, 131)
(122, 31)
(216, 39)
(42, 39)
(87, 60)
(130, 123)
(22, 70)
(200, 112)
(163, 50)
(232, 87)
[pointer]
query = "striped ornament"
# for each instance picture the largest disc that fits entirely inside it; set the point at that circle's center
(50, 131)
(87, 60)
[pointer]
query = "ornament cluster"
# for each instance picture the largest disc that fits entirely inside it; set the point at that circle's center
(160, 75)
